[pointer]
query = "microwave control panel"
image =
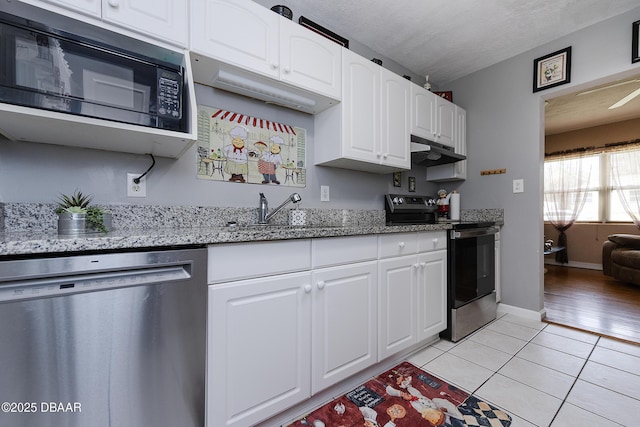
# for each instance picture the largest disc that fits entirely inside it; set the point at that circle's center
(169, 94)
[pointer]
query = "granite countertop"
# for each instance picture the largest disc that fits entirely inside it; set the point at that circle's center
(49, 242)
(27, 228)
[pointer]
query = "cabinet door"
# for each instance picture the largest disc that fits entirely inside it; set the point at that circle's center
(344, 322)
(432, 294)
(238, 32)
(423, 115)
(395, 114)
(361, 108)
(461, 142)
(397, 322)
(446, 122)
(87, 7)
(258, 348)
(161, 19)
(309, 60)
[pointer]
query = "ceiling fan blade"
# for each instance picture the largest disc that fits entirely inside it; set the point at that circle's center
(625, 99)
(626, 82)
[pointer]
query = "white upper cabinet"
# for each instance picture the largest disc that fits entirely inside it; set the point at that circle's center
(164, 20)
(432, 116)
(423, 114)
(395, 113)
(446, 121)
(89, 7)
(243, 47)
(161, 19)
(453, 171)
(309, 60)
(360, 111)
(240, 33)
(369, 130)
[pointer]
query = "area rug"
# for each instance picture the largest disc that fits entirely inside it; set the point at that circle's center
(405, 396)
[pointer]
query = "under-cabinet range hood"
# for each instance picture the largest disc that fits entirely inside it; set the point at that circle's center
(429, 153)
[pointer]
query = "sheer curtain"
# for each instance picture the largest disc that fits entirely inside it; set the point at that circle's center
(566, 181)
(624, 167)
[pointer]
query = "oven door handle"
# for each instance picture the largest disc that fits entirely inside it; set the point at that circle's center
(473, 232)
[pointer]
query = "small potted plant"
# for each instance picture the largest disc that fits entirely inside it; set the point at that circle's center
(76, 216)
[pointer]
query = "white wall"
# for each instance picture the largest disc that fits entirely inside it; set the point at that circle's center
(505, 129)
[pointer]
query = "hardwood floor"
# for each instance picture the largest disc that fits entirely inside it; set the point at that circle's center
(590, 301)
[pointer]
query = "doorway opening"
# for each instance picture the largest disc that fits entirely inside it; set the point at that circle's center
(578, 294)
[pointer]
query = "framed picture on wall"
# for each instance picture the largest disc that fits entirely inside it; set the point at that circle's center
(412, 184)
(552, 70)
(635, 42)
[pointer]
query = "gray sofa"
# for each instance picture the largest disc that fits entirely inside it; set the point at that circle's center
(621, 257)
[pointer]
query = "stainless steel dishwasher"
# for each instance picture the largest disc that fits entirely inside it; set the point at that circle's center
(104, 340)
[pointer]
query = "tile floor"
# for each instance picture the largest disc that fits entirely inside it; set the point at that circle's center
(543, 374)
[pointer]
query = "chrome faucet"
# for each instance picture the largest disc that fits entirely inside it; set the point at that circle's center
(263, 211)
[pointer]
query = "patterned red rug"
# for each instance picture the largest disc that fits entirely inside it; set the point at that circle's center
(405, 396)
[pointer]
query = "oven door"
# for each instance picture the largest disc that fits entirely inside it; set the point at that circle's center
(471, 264)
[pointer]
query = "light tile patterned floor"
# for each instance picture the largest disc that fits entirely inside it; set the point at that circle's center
(542, 374)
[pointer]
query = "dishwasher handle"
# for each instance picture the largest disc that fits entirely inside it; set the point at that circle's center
(19, 290)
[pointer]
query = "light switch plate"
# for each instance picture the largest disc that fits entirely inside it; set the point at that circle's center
(324, 193)
(518, 185)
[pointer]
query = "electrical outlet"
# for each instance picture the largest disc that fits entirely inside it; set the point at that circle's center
(324, 193)
(136, 190)
(518, 185)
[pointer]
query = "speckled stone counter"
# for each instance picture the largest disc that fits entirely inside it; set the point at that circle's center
(31, 228)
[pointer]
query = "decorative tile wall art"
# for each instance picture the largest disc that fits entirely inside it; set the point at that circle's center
(238, 148)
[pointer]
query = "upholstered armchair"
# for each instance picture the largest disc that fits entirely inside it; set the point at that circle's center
(621, 257)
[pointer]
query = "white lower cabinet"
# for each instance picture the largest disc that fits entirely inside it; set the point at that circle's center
(411, 290)
(343, 328)
(280, 329)
(432, 294)
(397, 320)
(259, 348)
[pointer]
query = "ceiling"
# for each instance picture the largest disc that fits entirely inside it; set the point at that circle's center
(450, 39)
(590, 107)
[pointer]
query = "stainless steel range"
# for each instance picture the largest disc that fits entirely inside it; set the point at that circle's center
(471, 291)
(471, 284)
(404, 209)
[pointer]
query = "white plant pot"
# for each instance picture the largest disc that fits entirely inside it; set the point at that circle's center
(76, 224)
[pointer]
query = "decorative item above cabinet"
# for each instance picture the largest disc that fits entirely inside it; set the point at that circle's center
(243, 47)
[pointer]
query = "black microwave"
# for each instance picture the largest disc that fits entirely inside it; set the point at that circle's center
(51, 69)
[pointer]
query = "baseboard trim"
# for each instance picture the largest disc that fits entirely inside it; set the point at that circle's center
(576, 264)
(521, 312)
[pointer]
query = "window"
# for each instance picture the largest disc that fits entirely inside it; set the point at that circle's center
(602, 201)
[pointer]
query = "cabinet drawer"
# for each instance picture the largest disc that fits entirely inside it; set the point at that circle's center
(397, 244)
(235, 261)
(343, 250)
(432, 241)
